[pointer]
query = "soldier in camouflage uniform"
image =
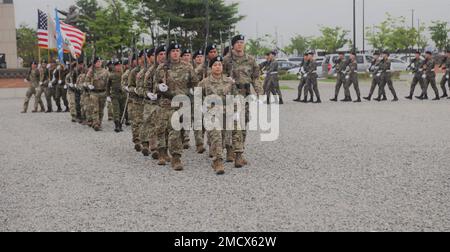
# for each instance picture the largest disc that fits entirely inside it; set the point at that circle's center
(340, 65)
(149, 133)
(271, 82)
(70, 81)
(97, 79)
(171, 79)
(115, 95)
(186, 56)
(429, 76)
(386, 78)
(219, 85)
(86, 115)
(61, 88)
(351, 78)
(33, 77)
(244, 70)
(50, 87)
(127, 67)
(374, 70)
(302, 78)
(135, 106)
(446, 77)
(415, 66)
(311, 79)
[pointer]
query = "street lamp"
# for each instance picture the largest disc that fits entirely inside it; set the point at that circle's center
(354, 25)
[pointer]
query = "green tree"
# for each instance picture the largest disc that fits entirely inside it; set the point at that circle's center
(27, 44)
(298, 44)
(331, 40)
(439, 34)
(260, 46)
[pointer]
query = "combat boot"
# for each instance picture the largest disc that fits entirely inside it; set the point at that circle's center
(420, 97)
(120, 127)
(436, 98)
(218, 166)
(138, 147)
(445, 95)
(145, 149)
(67, 110)
(176, 163)
(155, 155)
(117, 128)
(186, 146)
(409, 97)
(378, 99)
(230, 155)
(358, 100)
(311, 100)
(395, 99)
(59, 109)
(34, 111)
(368, 98)
(318, 101)
(280, 101)
(335, 99)
(161, 158)
(97, 127)
(384, 98)
(200, 149)
(239, 162)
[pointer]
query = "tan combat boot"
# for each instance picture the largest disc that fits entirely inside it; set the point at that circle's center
(145, 149)
(230, 155)
(176, 163)
(239, 162)
(155, 155)
(138, 147)
(161, 157)
(218, 166)
(200, 149)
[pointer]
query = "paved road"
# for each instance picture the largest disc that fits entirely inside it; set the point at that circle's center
(336, 167)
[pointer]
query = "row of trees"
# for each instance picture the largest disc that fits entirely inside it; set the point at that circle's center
(392, 34)
(118, 26)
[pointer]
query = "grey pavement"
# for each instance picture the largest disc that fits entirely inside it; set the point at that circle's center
(336, 167)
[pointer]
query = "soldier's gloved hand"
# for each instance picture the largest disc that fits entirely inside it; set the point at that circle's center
(305, 75)
(299, 76)
(48, 66)
(163, 87)
(347, 77)
(152, 96)
(378, 74)
(91, 87)
(85, 84)
(71, 85)
(191, 91)
(108, 99)
(41, 83)
(126, 89)
(50, 85)
(335, 75)
(424, 76)
(58, 68)
(60, 82)
(447, 76)
(135, 90)
(25, 80)
(65, 86)
(233, 80)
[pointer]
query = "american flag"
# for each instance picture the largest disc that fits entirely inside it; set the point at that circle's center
(42, 31)
(74, 39)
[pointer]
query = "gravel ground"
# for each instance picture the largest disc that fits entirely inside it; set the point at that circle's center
(336, 167)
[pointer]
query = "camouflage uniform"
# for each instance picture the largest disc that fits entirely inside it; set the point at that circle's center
(351, 77)
(302, 84)
(311, 80)
(118, 97)
(33, 77)
(386, 78)
(71, 94)
(340, 67)
(430, 78)
(416, 65)
(271, 82)
(49, 89)
(245, 71)
(446, 76)
(374, 69)
(220, 87)
(124, 84)
(148, 132)
(135, 107)
(97, 99)
(86, 115)
(179, 77)
(61, 89)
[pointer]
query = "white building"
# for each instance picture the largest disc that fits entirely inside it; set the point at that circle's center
(8, 43)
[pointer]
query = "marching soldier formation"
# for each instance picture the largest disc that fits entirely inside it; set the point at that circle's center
(140, 93)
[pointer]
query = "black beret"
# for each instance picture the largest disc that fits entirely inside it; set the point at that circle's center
(376, 53)
(44, 61)
(429, 53)
(186, 51)
(150, 52)
(305, 54)
(109, 63)
(341, 53)
(418, 52)
(198, 53)
(310, 53)
(214, 60)
(141, 53)
(353, 53)
(117, 62)
(386, 52)
(126, 62)
(80, 61)
(236, 39)
(160, 49)
(33, 62)
(96, 59)
(173, 46)
(226, 50)
(209, 48)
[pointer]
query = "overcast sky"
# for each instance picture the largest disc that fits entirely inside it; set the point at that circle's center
(291, 17)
